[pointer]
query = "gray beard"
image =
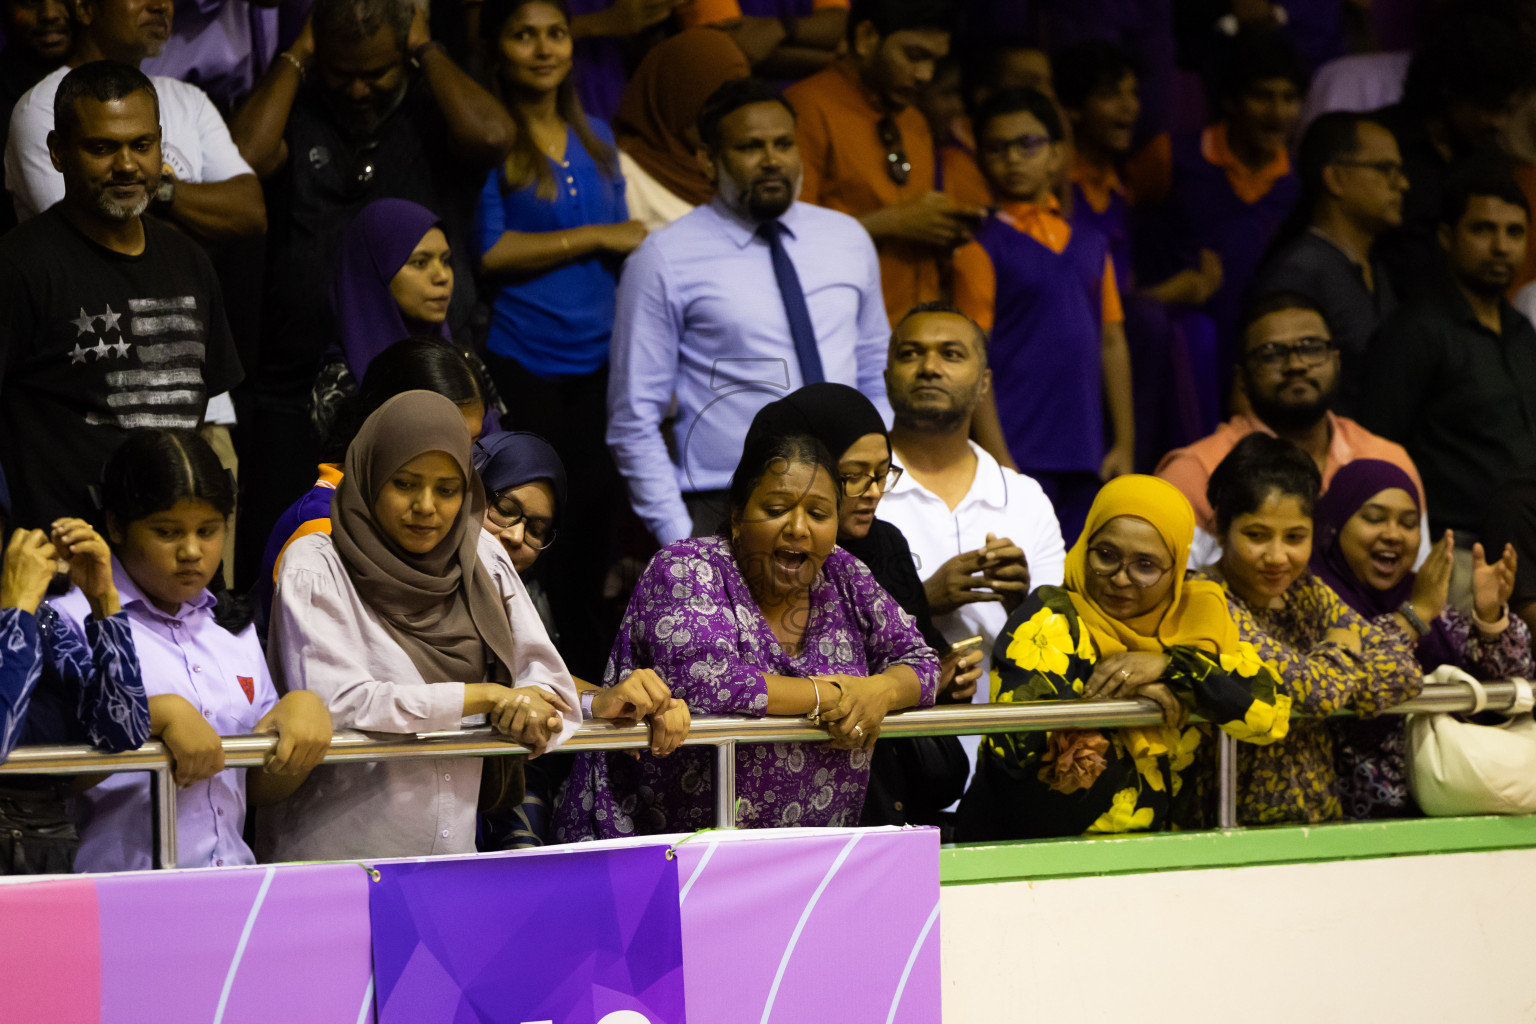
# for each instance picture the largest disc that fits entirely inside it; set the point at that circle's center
(117, 211)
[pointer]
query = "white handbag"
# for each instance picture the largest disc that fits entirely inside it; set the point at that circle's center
(1457, 767)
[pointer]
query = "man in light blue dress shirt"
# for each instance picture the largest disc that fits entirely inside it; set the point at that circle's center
(702, 316)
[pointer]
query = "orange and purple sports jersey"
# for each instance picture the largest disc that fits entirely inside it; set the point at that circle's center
(1045, 290)
(1219, 204)
(310, 514)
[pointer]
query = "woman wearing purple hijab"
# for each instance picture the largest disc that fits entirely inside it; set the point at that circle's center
(394, 280)
(1367, 532)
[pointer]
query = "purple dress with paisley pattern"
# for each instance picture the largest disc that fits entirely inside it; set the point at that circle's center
(693, 620)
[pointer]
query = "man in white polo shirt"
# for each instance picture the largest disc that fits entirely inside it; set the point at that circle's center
(982, 536)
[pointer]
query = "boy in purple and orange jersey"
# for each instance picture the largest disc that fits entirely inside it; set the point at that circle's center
(1047, 293)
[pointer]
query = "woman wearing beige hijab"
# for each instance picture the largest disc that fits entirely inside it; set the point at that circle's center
(408, 618)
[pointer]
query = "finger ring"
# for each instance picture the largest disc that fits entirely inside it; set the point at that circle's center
(1125, 673)
(858, 729)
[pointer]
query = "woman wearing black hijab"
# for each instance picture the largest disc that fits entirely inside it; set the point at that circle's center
(911, 779)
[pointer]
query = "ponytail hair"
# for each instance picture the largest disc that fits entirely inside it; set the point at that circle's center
(153, 470)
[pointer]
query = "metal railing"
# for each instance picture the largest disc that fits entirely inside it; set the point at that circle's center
(722, 733)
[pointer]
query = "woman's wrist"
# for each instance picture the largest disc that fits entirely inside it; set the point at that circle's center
(1491, 624)
(105, 605)
(481, 698)
(889, 686)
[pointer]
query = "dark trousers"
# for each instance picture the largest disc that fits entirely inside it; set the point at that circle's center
(571, 413)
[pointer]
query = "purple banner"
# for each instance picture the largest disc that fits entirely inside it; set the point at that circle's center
(593, 937)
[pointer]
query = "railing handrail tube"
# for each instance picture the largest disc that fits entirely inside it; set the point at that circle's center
(945, 720)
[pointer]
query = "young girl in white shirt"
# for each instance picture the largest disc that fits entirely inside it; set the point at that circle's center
(167, 503)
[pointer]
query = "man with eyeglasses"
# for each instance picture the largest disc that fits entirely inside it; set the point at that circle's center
(1453, 372)
(867, 149)
(1352, 186)
(363, 106)
(1289, 372)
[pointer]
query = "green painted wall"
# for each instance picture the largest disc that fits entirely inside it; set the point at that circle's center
(1175, 851)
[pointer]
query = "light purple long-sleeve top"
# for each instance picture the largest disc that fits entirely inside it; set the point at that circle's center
(224, 677)
(693, 620)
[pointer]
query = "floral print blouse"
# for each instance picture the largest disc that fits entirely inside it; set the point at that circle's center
(1295, 781)
(1371, 756)
(1073, 781)
(693, 620)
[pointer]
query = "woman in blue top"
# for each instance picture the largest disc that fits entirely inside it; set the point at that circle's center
(551, 230)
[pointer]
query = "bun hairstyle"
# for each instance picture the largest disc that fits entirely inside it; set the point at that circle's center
(1259, 466)
(153, 470)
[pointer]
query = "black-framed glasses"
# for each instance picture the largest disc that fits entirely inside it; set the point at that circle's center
(897, 166)
(1107, 562)
(538, 532)
(1389, 169)
(856, 484)
(1273, 355)
(1027, 145)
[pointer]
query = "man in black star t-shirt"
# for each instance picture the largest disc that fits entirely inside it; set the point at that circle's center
(112, 320)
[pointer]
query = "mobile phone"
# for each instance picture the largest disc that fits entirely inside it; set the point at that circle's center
(961, 648)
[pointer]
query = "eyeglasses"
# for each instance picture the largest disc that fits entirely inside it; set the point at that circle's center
(507, 512)
(1392, 170)
(897, 166)
(856, 484)
(1311, 352)
(1107, 562)
(1027, 145)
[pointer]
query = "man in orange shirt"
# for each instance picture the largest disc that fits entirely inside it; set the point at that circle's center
(1289, 370)
(867, 149)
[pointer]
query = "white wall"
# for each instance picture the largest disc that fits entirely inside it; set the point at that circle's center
(1400, 940)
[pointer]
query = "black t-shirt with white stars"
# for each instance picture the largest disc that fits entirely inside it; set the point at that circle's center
(94, 344)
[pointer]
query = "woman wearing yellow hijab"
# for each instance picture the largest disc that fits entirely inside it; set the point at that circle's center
(1127, 623)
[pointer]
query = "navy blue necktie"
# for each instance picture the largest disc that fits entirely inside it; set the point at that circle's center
(794, 304)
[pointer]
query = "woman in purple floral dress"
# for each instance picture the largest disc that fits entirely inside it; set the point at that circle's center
(772, 619)
(1367, 543)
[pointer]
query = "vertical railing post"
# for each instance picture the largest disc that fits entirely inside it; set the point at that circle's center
(162, 807)
(725, 784)
(1226, 781)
